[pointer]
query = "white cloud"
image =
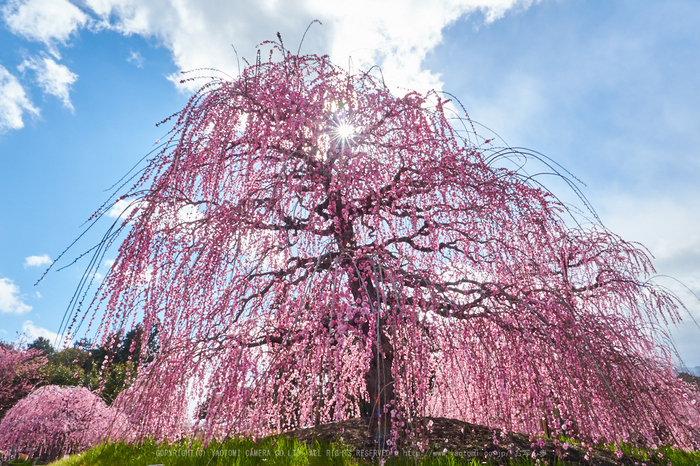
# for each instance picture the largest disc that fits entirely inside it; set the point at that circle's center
(10, 300)
(180, 219)
(189, 213)
(122, 208)
(135, 58)
(33, 332)
(46, 21)
(52, 77)
(398, 34)
(13, 102)
(393, 33)
(37, 261)
(671, 231)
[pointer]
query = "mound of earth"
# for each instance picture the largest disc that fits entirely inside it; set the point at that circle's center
(462, 439)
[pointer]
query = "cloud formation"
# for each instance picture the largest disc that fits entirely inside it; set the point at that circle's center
(37, 261)
(33, 332)
(667, 227)
(135, 58)
(47, 21)
(14, 102)
(10, 299)
(670, 230)
(398, 35)
(53, 78)
(393, 33)
(122, 208)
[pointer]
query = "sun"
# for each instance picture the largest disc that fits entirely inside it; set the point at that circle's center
(345, 131)
(341, 123)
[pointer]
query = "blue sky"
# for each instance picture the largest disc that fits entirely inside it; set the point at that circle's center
(609, 89)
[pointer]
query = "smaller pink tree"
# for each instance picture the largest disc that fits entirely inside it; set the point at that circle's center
(20, 373)
(55, 420)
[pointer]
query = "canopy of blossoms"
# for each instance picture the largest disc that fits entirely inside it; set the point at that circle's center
(313, 247)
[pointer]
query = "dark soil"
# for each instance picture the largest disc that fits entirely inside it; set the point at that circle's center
(463, 440)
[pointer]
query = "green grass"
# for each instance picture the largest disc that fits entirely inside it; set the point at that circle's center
(281, 451)
(285, 452)
(675, 456)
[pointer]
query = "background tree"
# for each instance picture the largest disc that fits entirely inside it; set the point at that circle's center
(20, 372)
(53, 421)
(42, 344)
(310, 241)
(82, 365)
(72, 367)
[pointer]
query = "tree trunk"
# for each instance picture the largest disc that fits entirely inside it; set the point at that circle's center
(380, 387)
(379, 381)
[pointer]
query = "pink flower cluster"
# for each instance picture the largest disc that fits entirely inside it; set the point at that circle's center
(55, 420)
(20, 372)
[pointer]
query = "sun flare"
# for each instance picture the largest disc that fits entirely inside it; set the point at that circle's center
(345, 131)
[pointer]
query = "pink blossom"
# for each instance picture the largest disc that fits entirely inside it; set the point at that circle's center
(54, 420)
(20, 372)
(307, 240)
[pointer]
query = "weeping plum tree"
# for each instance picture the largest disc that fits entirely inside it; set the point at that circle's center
(308, 243)
(53, 421)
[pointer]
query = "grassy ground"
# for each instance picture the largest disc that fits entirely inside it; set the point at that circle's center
(282, 451)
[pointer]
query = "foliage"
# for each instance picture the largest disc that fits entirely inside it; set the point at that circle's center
(82, 364)
(54, 420)
(690, 379)
(20, 372)
(308, 241)
(42, 344)
(73, 367)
